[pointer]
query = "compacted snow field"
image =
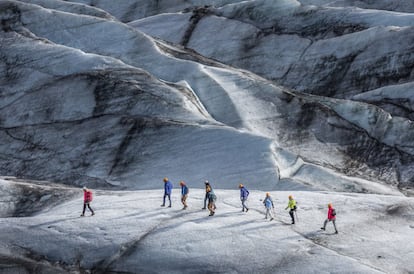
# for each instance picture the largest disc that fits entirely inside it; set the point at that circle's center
(131, 233)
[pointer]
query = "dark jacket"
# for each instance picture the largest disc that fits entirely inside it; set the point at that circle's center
(184, 190)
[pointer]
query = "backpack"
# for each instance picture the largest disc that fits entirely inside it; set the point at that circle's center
(333, 212)
(212, 197)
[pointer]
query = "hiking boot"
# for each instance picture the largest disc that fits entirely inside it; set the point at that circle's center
(82, 215)
(243, 210)
(93, 213)
(162, 205)
(336, 232)
(169, 206)
(322, 228)
(247, 209)
(271, 219)
(203, 208)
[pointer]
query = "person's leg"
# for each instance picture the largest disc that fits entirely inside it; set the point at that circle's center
(213, 207)
(89, 206)
(84, 208)
(163, 200)
(292, 216)
(169, 199)
(183, 201)
(269, 213)
(324, 224)
(245, 205)
(205, 201)
(210, 207)
(334, 224)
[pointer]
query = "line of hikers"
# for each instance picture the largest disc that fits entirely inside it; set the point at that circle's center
(211, 198)
(244, 193)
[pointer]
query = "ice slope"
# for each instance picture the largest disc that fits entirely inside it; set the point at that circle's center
(386, 96)
(334, 52)
(398, 5)
(137, 93)
(131, 233)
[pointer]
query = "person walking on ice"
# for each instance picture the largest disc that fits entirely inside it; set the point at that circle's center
(211, 202)
(208, 188)
(87, 199)
(167, 191)
(184, 193)
(292, 206)
(268, 203)
(331, 218)
(244, 193)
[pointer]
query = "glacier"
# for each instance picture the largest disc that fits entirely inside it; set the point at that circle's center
(310, 97)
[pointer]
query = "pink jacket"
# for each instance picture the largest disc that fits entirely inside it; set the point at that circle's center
(330, 216)
(87, 196)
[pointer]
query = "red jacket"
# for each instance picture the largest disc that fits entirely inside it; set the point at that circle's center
(87, 196)
(330, 216)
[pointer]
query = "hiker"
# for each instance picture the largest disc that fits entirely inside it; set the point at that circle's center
(292, 206)
(331, 218)
(268, 203)
(211, 202)
(167, 191)
(244, 193)
(208, 188)
(184, 194)
(87, 199)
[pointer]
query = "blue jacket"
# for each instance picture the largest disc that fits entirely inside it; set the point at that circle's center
(268, 202)
(168, 187)
(244, 193)
(184, 190)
